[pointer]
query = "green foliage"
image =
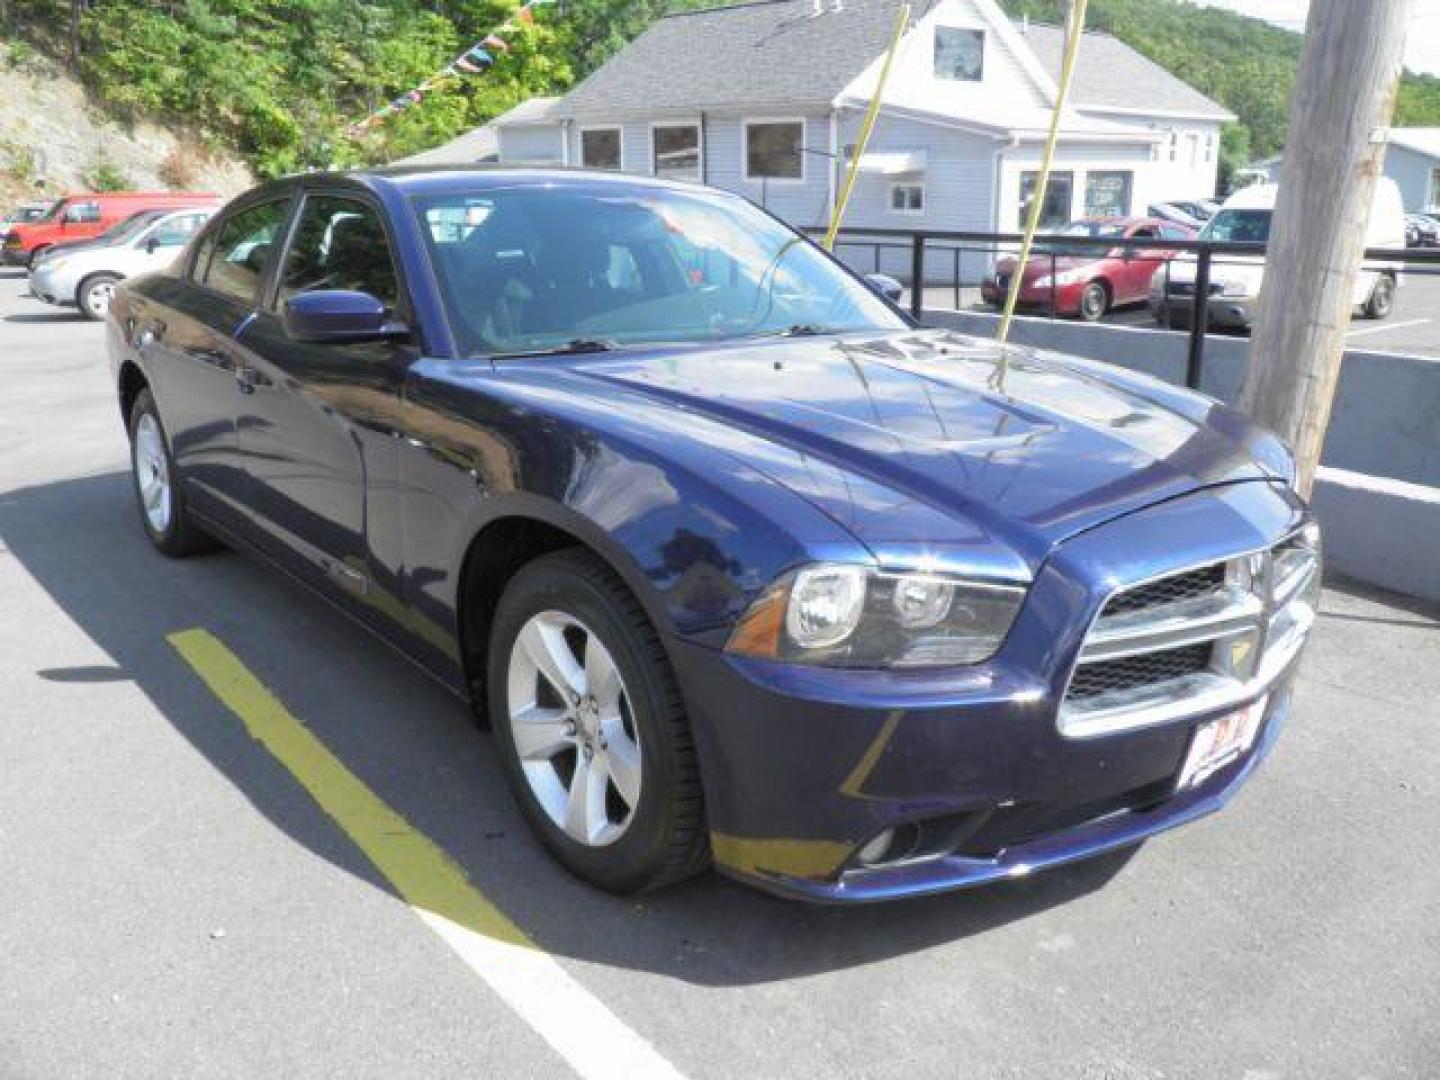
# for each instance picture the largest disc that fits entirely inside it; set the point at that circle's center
(1245, 64)
(105, 175)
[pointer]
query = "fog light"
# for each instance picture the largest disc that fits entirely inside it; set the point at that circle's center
(874, 851)
(890, 845)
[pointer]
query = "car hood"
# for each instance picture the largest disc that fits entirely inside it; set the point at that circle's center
(926, 443)
(1248, 270)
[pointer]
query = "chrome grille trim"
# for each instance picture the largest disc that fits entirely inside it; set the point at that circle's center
(1256, 621)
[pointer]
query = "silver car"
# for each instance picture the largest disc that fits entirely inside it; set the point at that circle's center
(84, 275)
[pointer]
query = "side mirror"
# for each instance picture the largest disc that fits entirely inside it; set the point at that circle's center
(886, 286)
(336, 316)
(151, 245)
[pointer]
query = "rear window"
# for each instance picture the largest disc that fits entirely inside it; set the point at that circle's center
(1240, 226)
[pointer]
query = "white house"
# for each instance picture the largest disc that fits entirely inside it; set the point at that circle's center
(1413, 162)
(767, 99)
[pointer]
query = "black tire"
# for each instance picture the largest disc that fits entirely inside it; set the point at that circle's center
(1382, 298)
(1094, 302)
(666, 839)
(88, 295)
(180, 537)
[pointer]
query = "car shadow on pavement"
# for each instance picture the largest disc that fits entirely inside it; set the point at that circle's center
(50, 316)
(415, 746)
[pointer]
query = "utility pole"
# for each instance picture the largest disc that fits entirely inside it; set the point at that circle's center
(1340, 112)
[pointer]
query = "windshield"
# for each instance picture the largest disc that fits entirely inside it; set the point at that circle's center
(1093, 229)
(1248, 226)
(53, 212)
(132, 226)
(525, 270)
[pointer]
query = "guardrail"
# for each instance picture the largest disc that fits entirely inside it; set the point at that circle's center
(960, 249)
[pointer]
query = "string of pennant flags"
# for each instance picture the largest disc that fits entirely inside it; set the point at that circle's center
(475, 60)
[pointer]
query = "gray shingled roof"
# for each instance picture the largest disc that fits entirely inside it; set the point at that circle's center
(778, 53)
(773, 52)
(1109, 72)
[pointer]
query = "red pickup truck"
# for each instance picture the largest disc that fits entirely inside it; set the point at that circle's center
(82, 216)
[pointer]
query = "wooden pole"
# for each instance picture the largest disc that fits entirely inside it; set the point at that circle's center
(1341, 107)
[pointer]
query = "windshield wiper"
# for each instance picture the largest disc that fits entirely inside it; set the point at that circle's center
(574, 347)
(799, 330)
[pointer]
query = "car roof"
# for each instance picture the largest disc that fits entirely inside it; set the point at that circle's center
(448, 179)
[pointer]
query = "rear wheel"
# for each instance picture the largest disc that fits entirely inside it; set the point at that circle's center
(590, 727)
(1094, 302)
(95, 294)
(163, 512)
(1382, 298)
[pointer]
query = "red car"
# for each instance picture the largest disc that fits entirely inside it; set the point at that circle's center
(1088, 279)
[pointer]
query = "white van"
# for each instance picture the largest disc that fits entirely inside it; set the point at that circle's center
(1235, 279)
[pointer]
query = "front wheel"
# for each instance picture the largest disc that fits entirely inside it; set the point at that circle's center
(1382, 298)
(1094, 302)
(163, 513)
(95, 294)
(590, 727)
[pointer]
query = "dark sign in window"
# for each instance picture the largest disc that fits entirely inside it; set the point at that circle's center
(1107, 194)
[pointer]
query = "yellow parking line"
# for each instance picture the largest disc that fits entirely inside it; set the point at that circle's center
(595, 1042)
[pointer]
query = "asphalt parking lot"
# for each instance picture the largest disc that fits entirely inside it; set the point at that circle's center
(177, 902)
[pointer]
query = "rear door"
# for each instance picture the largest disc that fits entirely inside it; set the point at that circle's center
(318, 429)
(190, 336)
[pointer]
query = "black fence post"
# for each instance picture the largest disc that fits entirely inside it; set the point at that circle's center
(1199, 320)
(917, 275)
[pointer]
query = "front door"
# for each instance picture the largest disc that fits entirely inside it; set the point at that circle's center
(318, 425)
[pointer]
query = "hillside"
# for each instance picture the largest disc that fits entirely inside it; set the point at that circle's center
(53, 139)
(277, 82)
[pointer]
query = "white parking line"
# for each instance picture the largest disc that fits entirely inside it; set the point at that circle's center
(1387, 326)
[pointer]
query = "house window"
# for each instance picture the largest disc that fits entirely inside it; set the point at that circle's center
(600, 148)
(1434, 190)
(1059, 197)
(959, 54)
(907, 198)
(676, 153)
(1174, 146)
(1209, 148)
(1192, 143)
(775, 150)
(1107, 194)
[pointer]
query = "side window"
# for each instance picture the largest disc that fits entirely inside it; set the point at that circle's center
(340, 244)
(177, 231)
(82, 213)
(244, 246)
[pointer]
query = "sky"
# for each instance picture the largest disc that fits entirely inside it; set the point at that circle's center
(1422, 52)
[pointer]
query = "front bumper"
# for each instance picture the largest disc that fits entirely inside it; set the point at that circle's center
(1065, 298)
(52, 286)
(803, 766)
(1225, 312)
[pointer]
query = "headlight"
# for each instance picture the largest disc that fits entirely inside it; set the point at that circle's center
(1065, 277)
(854, 616)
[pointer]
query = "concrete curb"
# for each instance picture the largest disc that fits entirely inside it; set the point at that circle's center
(1379, 531)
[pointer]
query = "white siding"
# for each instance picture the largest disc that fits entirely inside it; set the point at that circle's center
(1080, 159)
(1411, 172)
(804, 203)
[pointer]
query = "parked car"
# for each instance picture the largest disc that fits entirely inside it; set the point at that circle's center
(1421, 230)
(1235, 280)
(1087, 278)
(22, 215)
(739, 563)
(84, 274)
(82, 217)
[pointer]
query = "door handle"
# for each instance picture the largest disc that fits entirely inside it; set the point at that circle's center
(245, 379)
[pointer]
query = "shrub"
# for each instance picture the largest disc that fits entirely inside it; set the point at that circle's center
(181, 169)
(105, 175)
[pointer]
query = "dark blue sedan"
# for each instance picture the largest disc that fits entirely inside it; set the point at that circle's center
(739, 564)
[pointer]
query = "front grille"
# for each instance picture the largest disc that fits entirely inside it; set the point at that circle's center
(1195, 640)
(1187, 288)
(1131, 672)
(1169, 590)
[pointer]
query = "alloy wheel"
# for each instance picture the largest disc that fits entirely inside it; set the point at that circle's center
(152, 473)
(98, 297)
(574, 733)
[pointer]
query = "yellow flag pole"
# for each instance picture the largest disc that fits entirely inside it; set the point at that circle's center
(871, 115)
(1075, 27)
